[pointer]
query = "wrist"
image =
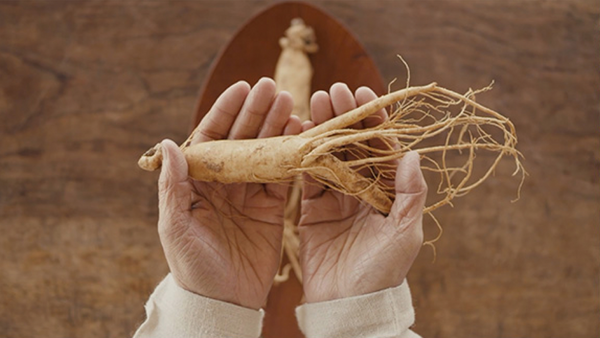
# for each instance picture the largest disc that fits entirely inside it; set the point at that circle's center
(220, 291)
(386, 313)
(353, 286)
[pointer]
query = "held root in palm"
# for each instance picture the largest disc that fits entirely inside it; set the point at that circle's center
(449, 130)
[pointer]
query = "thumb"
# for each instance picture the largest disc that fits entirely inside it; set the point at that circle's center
(173, 184)
(411, 189)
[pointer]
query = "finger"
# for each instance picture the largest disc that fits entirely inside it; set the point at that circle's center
(173, 184)
(320, 111)
(306, 125)
(278, 115)
(411, 189)
(320, 107)
(364, 95)
(219, 119)
(293, 126)
(248, 122)
(342, 99)
(323, 108)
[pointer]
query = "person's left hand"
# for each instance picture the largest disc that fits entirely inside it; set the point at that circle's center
(223, 241)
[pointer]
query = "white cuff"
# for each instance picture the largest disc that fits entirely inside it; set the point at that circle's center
(174, 312)
(386, 313)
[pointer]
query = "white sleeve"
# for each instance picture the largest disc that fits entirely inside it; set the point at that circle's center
(388, 313)
(174, 312)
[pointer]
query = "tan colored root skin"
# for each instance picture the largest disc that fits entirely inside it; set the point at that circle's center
(293, 72)
(256, 160)
(152, 159)
(276, 159)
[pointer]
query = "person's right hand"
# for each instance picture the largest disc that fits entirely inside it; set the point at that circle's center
(223, 241)
(348, 248)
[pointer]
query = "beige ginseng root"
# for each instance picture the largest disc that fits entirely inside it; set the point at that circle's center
(275, 159)
(293, 73)
(458, 138)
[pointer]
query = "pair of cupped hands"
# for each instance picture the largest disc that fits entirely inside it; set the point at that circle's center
(223, 241)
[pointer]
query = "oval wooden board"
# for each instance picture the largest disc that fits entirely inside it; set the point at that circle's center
(251, 54)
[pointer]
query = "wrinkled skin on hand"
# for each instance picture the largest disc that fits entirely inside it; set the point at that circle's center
(223, 241)
(348, 248)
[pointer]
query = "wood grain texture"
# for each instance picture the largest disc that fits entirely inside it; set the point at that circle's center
(86, 87)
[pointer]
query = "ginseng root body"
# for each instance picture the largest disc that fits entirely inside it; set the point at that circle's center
(446, 128)
(293, 72)
(264, 160)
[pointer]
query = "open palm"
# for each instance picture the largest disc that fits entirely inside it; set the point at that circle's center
(348, 248)
(223, 241)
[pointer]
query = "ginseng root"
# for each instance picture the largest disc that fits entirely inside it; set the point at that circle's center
(446, 128)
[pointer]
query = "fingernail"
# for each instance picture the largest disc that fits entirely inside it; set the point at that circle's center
(338, 84)
(265, 79)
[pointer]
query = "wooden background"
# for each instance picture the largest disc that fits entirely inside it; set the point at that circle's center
(86, 87)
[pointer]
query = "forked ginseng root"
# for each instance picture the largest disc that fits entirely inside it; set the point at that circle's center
(446, 128)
